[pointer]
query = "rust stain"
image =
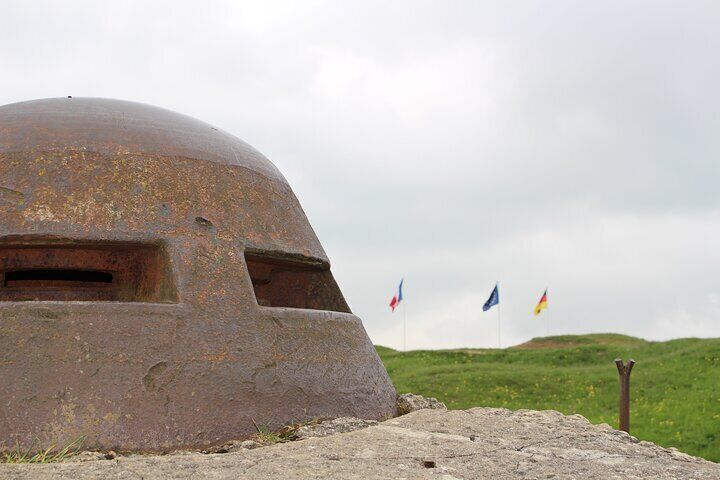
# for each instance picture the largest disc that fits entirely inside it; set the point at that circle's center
(13, 197)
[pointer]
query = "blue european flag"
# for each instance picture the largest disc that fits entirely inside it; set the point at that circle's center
(493, 300)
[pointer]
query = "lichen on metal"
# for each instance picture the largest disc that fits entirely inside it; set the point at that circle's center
(161, 287)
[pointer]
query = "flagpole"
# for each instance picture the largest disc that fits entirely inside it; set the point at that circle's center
(547, 319)
(497, 285)
(498, 320)
(404, 328)
(547, 325)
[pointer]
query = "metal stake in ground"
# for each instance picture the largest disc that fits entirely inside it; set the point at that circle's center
(624, 404)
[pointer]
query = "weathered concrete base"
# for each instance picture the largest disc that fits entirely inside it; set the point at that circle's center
(438, 444)
(162, 388)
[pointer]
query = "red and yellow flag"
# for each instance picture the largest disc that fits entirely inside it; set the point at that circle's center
(542, 304)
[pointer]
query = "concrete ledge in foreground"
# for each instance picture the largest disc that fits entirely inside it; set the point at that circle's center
(481, 443)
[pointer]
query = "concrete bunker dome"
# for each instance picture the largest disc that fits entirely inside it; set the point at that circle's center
(161, 287)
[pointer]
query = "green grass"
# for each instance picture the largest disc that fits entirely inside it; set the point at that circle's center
(35, 454)
(675, 385)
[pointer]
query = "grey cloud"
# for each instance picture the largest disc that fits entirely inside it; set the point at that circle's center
(566, 144)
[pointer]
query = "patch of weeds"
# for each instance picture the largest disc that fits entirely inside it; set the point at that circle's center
(35, 454)
(267, 436)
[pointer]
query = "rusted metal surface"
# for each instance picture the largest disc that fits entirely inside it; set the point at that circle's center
(149, 262)
(293, 284)
(624, 402)
(99, 271)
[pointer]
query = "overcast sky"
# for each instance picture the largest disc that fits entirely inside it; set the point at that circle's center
(564, 144)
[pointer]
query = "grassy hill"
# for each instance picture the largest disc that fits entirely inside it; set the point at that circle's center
(675, 385)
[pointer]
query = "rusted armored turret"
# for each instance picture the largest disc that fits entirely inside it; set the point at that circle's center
(161, 287)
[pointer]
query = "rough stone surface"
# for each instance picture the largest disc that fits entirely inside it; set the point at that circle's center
(331, 427)
(481, 443)
(89, 456)
(410, 402)
(233, 446)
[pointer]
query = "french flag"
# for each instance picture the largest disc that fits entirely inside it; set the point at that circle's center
(397, 298)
